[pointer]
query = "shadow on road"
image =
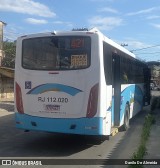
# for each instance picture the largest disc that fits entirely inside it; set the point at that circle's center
(17, 143)
(125, 148)
(60, 144)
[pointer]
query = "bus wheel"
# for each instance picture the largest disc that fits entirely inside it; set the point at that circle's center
(126, 118)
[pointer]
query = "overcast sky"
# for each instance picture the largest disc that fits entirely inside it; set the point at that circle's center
(133, 22)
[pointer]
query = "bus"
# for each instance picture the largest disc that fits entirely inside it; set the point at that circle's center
(77, 82)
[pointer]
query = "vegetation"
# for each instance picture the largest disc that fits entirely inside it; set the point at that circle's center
(9, 54)
(149, 120)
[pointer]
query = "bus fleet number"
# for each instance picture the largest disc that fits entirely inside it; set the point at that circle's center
(53, 99)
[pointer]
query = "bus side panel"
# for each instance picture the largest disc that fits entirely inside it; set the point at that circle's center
(106, 87)
(133, 96)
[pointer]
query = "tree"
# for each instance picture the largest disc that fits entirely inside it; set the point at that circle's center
(9, 49)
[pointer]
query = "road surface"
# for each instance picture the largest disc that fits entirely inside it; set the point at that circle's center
(16, 143)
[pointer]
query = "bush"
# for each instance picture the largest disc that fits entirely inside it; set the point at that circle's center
(149, 120)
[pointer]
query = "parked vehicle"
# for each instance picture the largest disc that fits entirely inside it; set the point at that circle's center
(78, 82)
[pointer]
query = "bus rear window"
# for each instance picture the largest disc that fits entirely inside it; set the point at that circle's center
(56, 53)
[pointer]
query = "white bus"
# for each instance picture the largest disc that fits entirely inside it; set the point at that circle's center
(77, 82)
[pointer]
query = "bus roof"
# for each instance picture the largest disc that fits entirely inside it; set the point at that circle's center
(82, 31)
(114, 44)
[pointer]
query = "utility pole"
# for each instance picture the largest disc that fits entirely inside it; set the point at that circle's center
(1, 40)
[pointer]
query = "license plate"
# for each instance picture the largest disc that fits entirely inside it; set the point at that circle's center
(51, 107)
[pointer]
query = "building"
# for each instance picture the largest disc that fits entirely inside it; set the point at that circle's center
(6, 83)
(1, 41)
(155, 72)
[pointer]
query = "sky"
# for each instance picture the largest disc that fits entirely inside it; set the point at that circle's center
(135, 23)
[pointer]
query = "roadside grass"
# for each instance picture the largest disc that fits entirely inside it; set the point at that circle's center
(149, 120)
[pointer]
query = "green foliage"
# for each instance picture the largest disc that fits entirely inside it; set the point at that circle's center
(9, 49)
(149, 120)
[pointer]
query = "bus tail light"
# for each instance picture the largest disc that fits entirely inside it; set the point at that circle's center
(19, 102)
(92, 101)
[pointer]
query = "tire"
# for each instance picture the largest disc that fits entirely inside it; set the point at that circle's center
(126, 118)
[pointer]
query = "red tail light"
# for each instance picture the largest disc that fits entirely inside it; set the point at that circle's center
(19, 102)
(92, 101)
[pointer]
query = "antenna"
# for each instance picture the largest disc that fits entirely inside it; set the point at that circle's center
(54, 32)
(80, 29)
(124, 45)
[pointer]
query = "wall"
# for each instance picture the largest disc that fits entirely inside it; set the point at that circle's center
(6, 87)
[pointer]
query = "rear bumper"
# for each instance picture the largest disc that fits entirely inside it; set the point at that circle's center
(83, 126)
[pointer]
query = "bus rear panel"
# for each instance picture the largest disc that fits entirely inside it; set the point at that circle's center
(57, 84)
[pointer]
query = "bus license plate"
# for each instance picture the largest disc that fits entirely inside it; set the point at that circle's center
(51, 107)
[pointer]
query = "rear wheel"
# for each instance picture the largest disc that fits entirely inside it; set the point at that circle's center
(126, 118)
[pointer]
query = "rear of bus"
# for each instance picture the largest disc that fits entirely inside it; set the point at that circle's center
(57, 83)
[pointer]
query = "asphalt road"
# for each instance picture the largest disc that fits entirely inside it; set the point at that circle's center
(16, 143)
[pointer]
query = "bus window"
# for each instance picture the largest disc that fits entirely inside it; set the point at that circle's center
(107, 57)
(56, 53)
